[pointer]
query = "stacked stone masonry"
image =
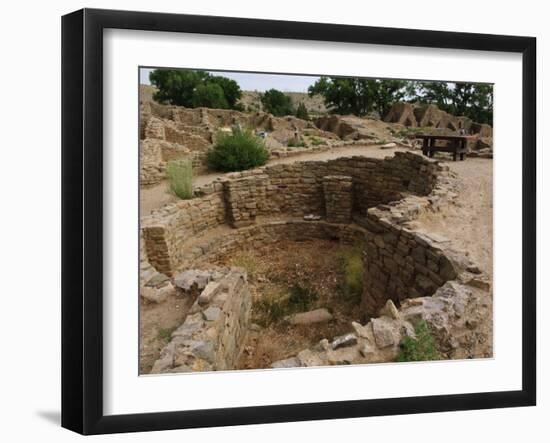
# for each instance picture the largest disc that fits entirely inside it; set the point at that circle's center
(292, 190)
(212, 335)
(338, 198)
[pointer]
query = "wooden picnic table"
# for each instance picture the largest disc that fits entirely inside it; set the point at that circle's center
(458, 145)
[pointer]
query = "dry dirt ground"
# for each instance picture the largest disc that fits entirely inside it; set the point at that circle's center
(273, 272)
(469, 223)
(156, 323)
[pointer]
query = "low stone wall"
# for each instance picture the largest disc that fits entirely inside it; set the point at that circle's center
(213, 334)
(166, 232)
(401, 263)
(338, 198)
(292, 190)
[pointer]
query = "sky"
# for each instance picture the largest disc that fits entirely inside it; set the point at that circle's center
(256, 82)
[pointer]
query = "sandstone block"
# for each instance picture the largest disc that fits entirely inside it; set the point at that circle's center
(306, 318)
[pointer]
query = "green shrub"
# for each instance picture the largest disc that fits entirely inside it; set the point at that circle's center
(352, 267)
(236, 151)
(180, 177)
(421, 348)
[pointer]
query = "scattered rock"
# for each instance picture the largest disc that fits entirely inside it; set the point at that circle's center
(211, 313)
(388, 146)
(309, 358)
(344, 340)
(389, 310)
(157, 280)
(208, 293)
(383, 333)
(310, 317)
(360, 330)
(190, 278)
(205, 350)
(157, 295)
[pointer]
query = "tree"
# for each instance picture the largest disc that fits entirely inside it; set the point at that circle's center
(276, 103)
(301, 111)
(176, 86)
(193, 89)
(230, 88)
(474, 100)
(209, 95)
(359, 96)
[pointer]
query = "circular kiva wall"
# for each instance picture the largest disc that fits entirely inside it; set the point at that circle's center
(358, 200)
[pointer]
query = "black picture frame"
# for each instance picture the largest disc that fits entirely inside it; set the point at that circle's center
(82, 218)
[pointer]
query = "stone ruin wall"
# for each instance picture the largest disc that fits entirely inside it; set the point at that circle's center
(262, 203)
(213, 334)
(430, 116)
(281, 190)
(174, 132)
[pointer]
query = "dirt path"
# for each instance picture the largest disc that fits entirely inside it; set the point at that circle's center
(156, 196)
(469, 223)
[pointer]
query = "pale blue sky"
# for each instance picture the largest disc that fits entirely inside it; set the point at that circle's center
(256, 82)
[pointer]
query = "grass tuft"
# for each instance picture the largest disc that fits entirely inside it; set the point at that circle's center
(180, 177)
(353, 268)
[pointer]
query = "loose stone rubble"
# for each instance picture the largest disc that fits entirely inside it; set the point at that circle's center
(212, 336)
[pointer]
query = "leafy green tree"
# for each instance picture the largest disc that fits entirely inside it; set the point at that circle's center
(230, 88)
(191, 88)
(209, 95)
(474, 100)
(276, 103)
(301, 111)
(359, 96)
(176, 86)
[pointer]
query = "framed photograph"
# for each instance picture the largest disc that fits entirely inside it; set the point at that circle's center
(269, 221)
